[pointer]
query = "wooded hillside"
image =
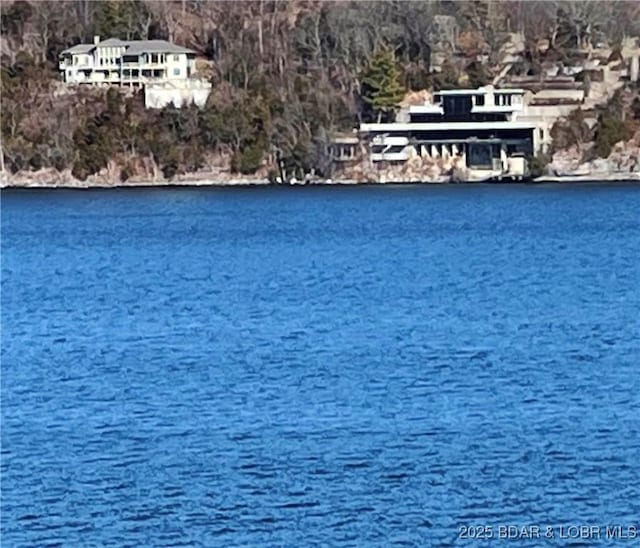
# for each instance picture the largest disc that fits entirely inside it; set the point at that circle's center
(285, 74)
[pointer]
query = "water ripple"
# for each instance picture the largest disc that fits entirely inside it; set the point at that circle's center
(352, 367)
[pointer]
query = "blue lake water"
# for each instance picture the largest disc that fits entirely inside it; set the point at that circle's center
(318, 366)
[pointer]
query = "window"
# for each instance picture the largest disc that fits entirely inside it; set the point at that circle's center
(456, 108)
(176, 58)
(176, 72)
(480, 156)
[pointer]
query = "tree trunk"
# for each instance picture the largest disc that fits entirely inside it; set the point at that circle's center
(260, 40)
(1, 157)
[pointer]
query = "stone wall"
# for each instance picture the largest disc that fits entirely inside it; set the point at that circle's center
(416, 169)
(179, 94)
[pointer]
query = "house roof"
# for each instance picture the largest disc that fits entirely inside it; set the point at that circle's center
(478, 91)
(113, 42)
(447, 126)
(79, 48)
(136, 47)
(133, 47)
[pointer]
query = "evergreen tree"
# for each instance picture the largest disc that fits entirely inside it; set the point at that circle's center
(478, 75)
(124, 19)
(381, 87)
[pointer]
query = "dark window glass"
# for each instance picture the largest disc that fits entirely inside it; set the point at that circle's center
(479, 156)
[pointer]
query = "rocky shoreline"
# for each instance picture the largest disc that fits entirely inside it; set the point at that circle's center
(566, 166)
(76, 185)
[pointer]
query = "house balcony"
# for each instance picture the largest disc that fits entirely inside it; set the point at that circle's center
(67, 66)
(106, 66)
(139, 65)
(145, 80)
(390, 141)
(99, 77)
(426, 109)
(496, 109)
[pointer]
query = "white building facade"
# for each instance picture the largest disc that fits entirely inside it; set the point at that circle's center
(133, 62)
(152, 64)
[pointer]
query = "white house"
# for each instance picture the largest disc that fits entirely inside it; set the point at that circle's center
(157, 65)
(130, 62)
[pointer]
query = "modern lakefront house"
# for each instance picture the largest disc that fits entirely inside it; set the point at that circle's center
(499, 131)
(478, 127)
(165, 70)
